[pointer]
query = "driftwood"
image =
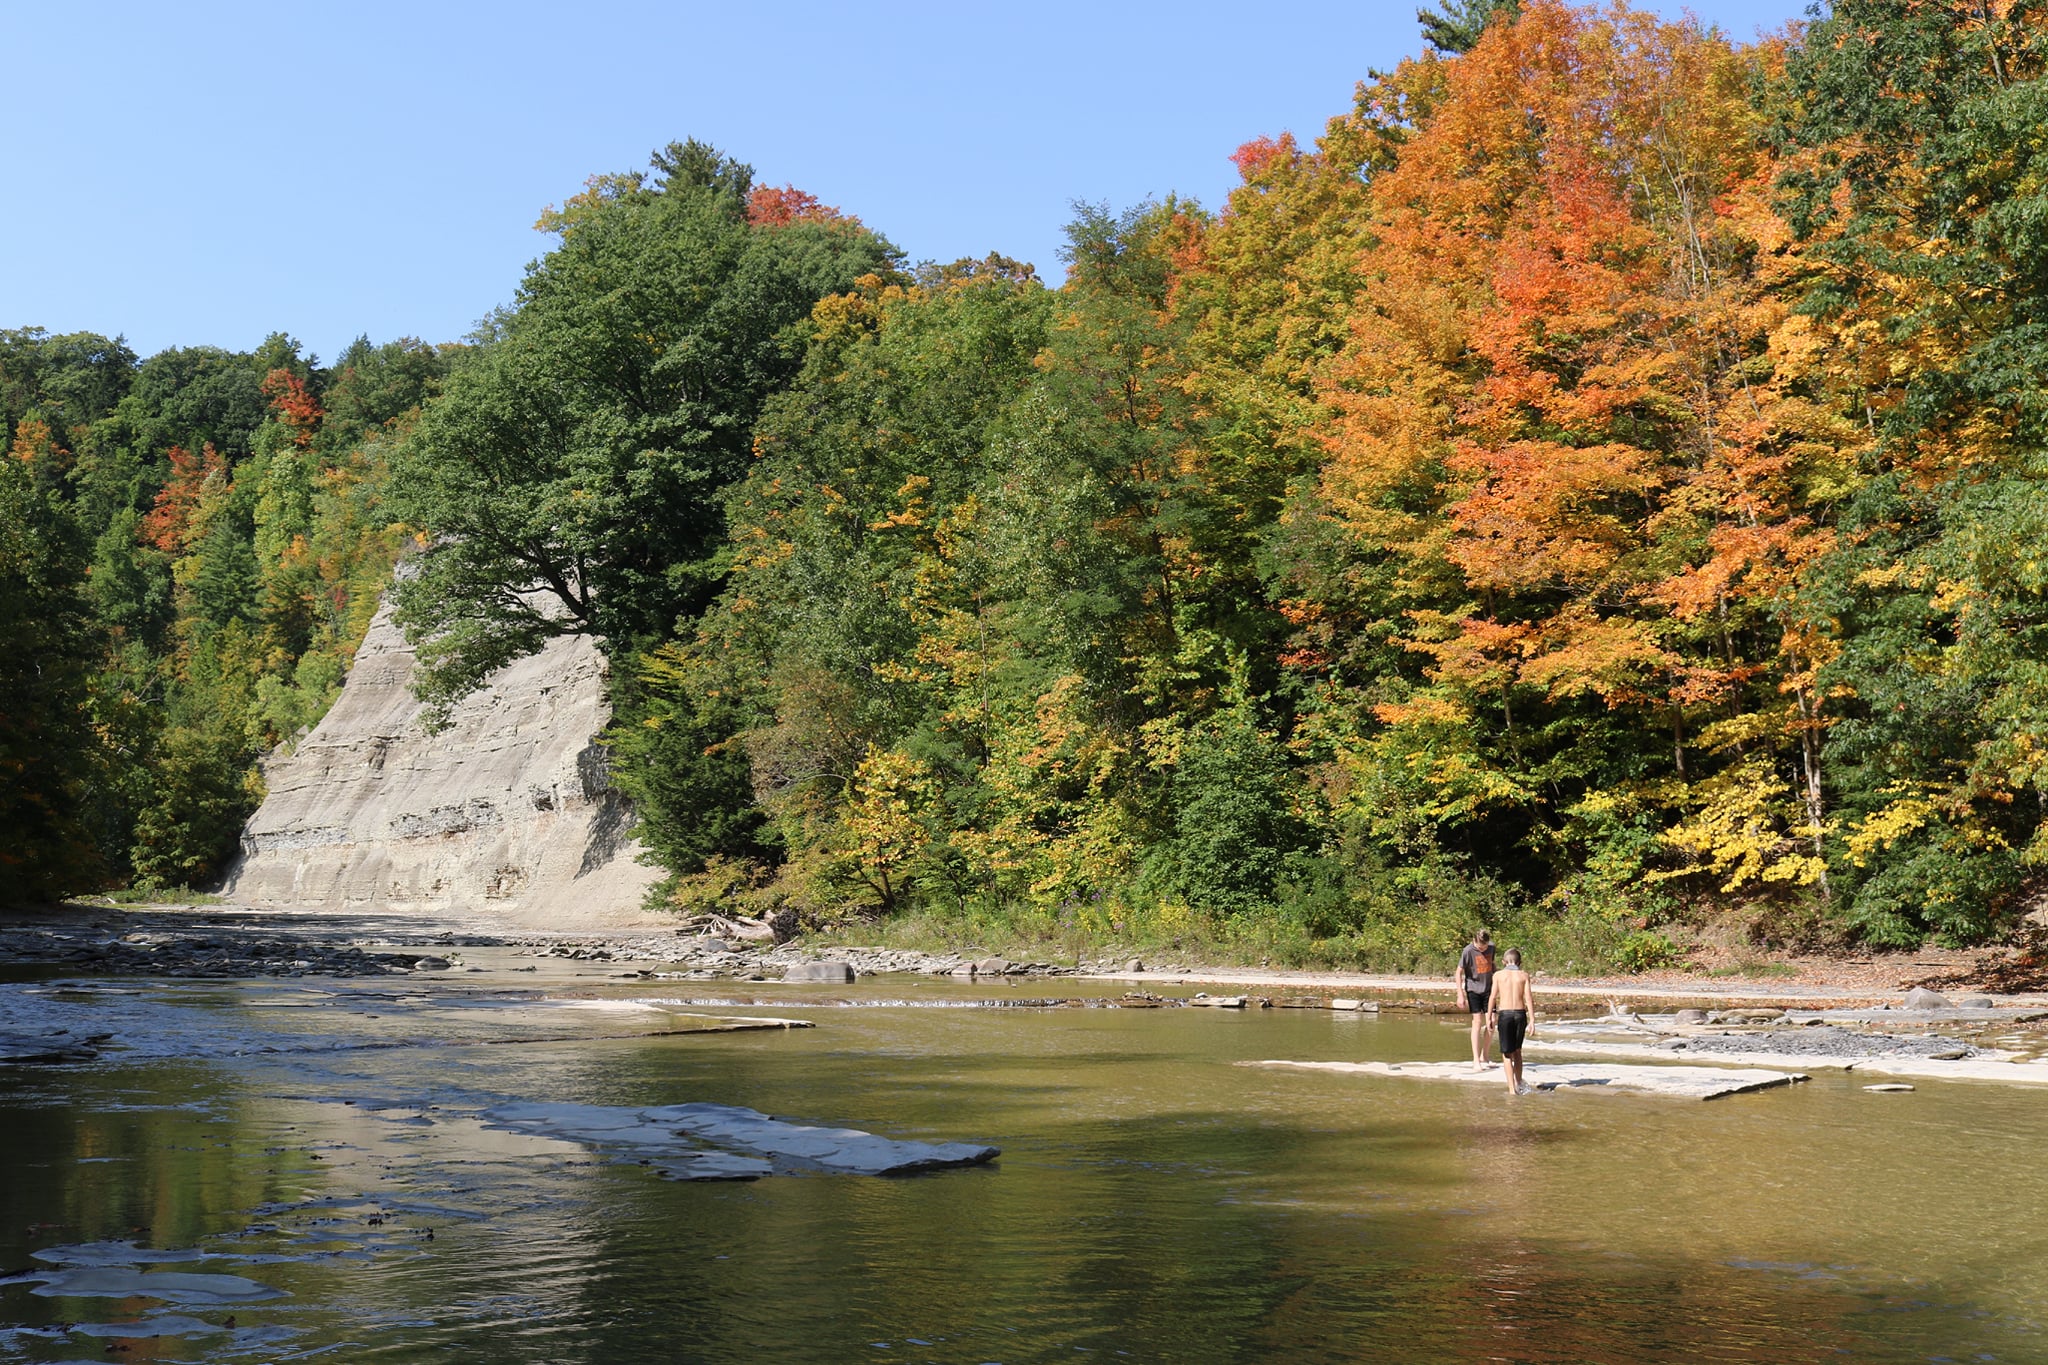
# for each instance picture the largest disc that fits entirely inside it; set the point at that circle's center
(779, 927)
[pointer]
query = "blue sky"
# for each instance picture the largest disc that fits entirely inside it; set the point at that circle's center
(190, 174)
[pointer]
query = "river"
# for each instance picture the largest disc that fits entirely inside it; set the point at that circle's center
(1153, 1201)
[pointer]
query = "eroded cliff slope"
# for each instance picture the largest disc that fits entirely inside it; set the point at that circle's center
(508, 811)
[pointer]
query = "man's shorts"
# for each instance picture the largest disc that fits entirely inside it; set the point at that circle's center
(1514, 1027)
(1475, 1001)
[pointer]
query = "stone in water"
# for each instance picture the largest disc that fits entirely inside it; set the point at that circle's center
(840, 972)
(109, 1282)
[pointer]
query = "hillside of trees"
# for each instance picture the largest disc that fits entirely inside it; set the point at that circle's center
(1596, 486)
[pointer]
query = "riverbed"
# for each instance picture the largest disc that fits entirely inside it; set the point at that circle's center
(333, 1144)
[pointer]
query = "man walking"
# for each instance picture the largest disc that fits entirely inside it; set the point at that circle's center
(1475, 988)
(1512, 1003)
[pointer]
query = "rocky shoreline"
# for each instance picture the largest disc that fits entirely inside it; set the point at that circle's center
(230, 941)
(236, 943)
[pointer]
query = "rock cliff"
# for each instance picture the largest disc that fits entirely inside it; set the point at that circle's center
(507, 812)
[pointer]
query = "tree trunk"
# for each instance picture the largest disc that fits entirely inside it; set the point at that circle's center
(1809, 757)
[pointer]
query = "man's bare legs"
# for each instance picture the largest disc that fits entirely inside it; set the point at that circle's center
(1482, 1039)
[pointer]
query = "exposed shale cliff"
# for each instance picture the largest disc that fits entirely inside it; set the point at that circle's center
(507, 811)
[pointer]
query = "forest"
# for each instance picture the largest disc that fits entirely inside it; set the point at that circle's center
(1595, 487)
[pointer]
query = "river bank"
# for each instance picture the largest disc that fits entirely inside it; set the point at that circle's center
(218, 941)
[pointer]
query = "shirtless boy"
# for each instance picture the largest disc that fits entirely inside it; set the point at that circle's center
(1510, 1003)
(1475, 982)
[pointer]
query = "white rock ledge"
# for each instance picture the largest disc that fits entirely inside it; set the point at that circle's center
(1677, 1082)
(669, 1135)
(1963, 1069)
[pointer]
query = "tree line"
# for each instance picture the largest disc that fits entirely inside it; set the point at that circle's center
(1596, 483)
(191, 547)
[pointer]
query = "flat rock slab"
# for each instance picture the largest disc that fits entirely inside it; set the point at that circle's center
(116, 1282)
(727, 1142)
(116, 1254)
(1962, 1069)
(165, 1325)
(835, 1149)
(1678, 1082)
(49, 1049)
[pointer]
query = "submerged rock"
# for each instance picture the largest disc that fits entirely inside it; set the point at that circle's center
(168, 1325)
(50, 1049)
(116, 1254)
(172, 1286)
(819, 971)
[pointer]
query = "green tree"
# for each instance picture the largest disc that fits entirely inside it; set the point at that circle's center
(1456, 26)
(50, 755)
(811, 657)
(1912, 177)
(569, 478)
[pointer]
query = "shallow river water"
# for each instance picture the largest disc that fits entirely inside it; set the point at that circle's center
(1153, 1201)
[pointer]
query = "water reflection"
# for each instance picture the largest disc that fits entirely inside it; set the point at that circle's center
(1154, 1202)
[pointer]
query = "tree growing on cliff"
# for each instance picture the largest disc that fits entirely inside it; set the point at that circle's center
(570, 478)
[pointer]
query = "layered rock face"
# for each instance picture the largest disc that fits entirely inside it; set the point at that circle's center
(508, 811)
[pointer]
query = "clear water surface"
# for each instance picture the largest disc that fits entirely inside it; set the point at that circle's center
(1154, 1202)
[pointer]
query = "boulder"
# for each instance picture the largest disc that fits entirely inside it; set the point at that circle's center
(840, 972)
(1690, 1017)
(1976, 1002)
(992, 966)
(1134, 965)
(1920, 998)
